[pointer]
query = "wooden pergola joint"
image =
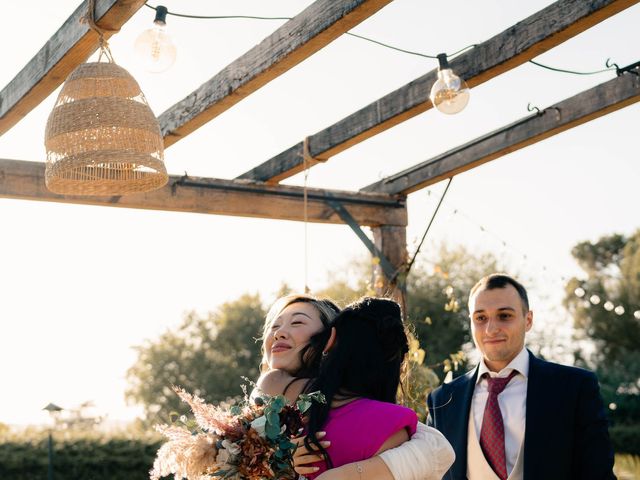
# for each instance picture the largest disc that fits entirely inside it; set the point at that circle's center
(516, 45)
(593, 103)
(312, 29)
(25, 180)
(389, 271)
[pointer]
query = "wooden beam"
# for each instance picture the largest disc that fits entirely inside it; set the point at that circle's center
(392, 242)
(25, 180)
(70, 46)
(588, 105)
(315, 27)
(518, 44)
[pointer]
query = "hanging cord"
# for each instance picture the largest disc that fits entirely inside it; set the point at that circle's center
(90, 20)
(386, 45)
(429, 226)
(218, 17)
(252, 17)
(561, 70)
(418, 54)
(306, 156)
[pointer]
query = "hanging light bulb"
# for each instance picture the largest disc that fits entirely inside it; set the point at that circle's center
(619, 310)
(595, 299)
(449, 94)
(608, 306)
(636, 314)
(154, 46)
(579, 292)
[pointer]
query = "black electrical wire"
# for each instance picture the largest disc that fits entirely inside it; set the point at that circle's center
(222, 17)
(413, 259)
(219, 17)
(571, 71)
(382, 44)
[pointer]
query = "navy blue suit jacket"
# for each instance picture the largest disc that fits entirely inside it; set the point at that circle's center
(566, 435)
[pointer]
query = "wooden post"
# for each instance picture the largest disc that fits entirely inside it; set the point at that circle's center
(392, 242)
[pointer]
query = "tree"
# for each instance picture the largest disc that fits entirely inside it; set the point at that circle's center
(612, 268)
(437, 302)
(207, 355)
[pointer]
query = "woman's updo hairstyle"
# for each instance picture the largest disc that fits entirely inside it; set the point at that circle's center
(366, 360)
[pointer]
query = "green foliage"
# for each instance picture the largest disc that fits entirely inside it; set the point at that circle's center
(421, 380)
(437, 302)
(612, 267)
(207, 355)
(625, 438)
(96, 459)
(350, 283)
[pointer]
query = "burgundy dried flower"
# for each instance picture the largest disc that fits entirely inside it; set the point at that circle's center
(291, 418)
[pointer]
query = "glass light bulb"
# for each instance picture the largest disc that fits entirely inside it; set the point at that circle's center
(608, 306)
(579, 292)
(595, 299)
(449, 94)
(619, 310)
(636, 314)
(155, 48)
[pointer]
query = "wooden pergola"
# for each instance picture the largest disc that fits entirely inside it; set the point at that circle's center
(257, 192)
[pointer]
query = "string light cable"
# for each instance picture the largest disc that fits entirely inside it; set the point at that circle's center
(609, 66)
(424, 236)
(362, 37)
(442, 58)
(591, 299)
(218, 17)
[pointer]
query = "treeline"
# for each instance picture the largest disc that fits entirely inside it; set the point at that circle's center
(75, 459)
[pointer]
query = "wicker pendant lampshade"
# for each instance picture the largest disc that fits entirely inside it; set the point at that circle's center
(101, 137)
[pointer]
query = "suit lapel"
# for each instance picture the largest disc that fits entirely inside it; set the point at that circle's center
(536, 416)
(458, 420)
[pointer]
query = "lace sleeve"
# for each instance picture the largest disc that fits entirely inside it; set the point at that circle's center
(427, 456)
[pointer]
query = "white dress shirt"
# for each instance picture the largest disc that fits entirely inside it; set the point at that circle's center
(512, 401)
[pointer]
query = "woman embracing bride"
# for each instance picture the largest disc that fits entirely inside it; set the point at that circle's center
(355, 358)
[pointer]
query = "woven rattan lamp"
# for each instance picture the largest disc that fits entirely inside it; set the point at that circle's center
(101, 137)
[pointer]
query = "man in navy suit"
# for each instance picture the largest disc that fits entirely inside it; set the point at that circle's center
(515, 416)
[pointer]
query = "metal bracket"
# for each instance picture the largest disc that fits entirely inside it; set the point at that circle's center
(389, 270)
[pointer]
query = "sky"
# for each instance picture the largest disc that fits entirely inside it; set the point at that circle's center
(82, 285)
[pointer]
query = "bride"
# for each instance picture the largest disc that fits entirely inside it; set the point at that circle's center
(354, 357)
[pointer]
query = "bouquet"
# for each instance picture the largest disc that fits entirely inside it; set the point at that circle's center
(250, 441)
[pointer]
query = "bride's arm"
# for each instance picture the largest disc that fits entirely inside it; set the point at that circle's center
(427, 456)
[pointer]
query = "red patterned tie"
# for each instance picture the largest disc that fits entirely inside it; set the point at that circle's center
(492, 431)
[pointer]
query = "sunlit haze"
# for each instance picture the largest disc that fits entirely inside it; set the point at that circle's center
(83, 284)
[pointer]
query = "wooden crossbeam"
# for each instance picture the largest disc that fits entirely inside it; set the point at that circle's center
(70, 46)
(588, 105)
(518, 44)
(25, 180)
(315, 27)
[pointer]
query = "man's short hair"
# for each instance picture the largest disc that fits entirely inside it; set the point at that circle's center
(501, 280)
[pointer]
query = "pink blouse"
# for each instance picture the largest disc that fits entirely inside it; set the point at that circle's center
(358, 429)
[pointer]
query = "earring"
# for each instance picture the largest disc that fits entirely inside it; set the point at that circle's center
(324, 354)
